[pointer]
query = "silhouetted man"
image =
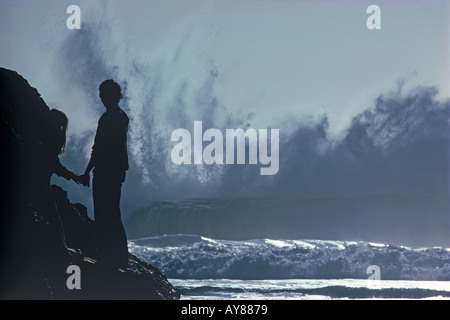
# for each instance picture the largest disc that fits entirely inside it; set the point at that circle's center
(109, 161)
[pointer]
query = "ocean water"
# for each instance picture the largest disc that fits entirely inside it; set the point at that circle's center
(260, 269)
(307, 289)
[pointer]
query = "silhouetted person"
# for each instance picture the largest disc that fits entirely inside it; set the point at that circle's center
(47, 217)
(48, 163)
(109, 161)
(58, 146)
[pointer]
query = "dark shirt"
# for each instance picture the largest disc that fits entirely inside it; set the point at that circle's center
(109, 152)
(57, 141)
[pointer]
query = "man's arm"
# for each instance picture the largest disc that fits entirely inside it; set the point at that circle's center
(85, 178)
(89, 167)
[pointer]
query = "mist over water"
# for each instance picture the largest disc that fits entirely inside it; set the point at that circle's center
(397, 146)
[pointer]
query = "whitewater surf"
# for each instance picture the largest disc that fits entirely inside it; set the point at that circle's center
(205, 268)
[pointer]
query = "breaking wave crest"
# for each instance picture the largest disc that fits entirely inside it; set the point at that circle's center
(196, 257)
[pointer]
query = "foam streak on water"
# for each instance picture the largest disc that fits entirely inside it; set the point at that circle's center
(315, 289)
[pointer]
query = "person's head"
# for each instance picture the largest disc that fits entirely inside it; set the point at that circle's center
(110, 93)
(61, 123)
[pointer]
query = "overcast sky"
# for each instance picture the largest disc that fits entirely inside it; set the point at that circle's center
(278, 64)
(361, 112)
(275, 57)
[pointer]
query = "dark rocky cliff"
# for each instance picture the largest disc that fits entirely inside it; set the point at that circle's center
(42, 232)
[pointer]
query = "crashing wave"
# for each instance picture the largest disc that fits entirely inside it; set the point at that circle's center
(196, 257)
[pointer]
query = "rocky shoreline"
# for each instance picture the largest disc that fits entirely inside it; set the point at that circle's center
(42, 232)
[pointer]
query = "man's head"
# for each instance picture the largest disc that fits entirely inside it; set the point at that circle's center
(110, 93)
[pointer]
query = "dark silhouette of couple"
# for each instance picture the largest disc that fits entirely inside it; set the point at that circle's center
(109, 163)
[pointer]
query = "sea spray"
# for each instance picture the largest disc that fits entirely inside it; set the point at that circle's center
(258, 147)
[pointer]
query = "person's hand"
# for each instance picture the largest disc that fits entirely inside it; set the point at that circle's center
(85, 179)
